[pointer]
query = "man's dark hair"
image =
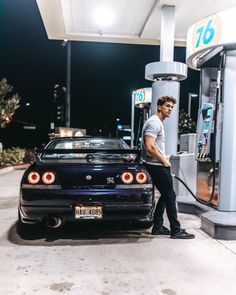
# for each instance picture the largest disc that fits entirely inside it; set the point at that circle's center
(164, 99)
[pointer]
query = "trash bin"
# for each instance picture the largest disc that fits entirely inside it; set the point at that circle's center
(184, 166)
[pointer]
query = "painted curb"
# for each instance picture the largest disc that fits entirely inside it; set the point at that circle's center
(6, 170)
(11, 168)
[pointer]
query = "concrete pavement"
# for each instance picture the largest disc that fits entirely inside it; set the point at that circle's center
(110, 261)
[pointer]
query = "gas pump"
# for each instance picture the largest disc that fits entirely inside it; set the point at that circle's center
(211, 48)
(208, 139)
(141, 102)
(209, 115)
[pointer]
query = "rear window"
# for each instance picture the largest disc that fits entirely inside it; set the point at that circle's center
(90, 144)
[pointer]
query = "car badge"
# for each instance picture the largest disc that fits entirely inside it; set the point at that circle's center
(110, 180)
(88, 177)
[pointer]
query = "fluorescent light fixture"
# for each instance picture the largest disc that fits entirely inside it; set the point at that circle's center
(126, 137)
(103, 16)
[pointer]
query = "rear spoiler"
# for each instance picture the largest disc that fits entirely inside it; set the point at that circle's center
(86, 151)
(40, 152)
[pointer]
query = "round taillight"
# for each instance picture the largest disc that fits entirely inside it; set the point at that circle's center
(48, 177)
(141, 177)
(127, 177)
(33, 177)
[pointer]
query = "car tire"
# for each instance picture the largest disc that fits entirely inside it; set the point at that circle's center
(143, 224)
(24, 230)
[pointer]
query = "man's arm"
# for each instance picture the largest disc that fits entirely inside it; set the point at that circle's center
(149, 143)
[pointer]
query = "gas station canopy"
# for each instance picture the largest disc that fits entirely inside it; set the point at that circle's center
(122, 21)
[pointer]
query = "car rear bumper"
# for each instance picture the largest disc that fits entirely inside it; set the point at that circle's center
(110, 212)
(124, 205)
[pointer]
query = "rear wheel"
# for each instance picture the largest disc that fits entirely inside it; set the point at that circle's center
(143, 224)
(25, 230)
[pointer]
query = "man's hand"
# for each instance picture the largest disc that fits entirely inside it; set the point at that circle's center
(165, 162)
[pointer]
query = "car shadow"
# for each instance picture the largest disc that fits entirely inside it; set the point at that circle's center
(80, 234)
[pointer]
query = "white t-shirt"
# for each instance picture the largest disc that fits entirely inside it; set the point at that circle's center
(153, 127)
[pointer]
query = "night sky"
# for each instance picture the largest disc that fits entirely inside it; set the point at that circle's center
(103, 76)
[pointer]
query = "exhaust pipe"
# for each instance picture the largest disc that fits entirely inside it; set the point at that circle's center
(54, 222)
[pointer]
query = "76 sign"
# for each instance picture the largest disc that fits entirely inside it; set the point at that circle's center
(207, 32)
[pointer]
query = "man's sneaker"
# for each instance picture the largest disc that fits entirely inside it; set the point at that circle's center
(182, 234)
(160, 231)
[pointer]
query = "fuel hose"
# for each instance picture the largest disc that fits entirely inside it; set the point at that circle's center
(195, 197)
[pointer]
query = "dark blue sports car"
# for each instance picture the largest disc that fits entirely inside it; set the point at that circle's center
(85, 178)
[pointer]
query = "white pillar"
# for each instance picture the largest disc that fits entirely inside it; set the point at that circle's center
(175, 71)
(227, 200)
(166, 75)
(167, 33)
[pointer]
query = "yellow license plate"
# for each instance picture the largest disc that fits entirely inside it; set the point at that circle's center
(88, 212)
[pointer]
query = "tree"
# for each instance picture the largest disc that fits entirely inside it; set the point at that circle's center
(186, 123)
(9, 103)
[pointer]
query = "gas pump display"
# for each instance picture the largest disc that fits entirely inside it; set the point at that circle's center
(205, 129)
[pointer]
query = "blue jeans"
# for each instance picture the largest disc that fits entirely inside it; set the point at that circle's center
(162, 179)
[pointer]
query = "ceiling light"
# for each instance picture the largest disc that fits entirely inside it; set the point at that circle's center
(103, 16)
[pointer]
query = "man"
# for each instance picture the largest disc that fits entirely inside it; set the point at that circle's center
(158, 166)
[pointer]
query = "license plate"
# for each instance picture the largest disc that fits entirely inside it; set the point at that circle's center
(88, 212)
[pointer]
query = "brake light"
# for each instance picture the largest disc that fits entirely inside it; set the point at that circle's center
(141, 177)
(127, 177)
(33, 177)
(48, 177)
